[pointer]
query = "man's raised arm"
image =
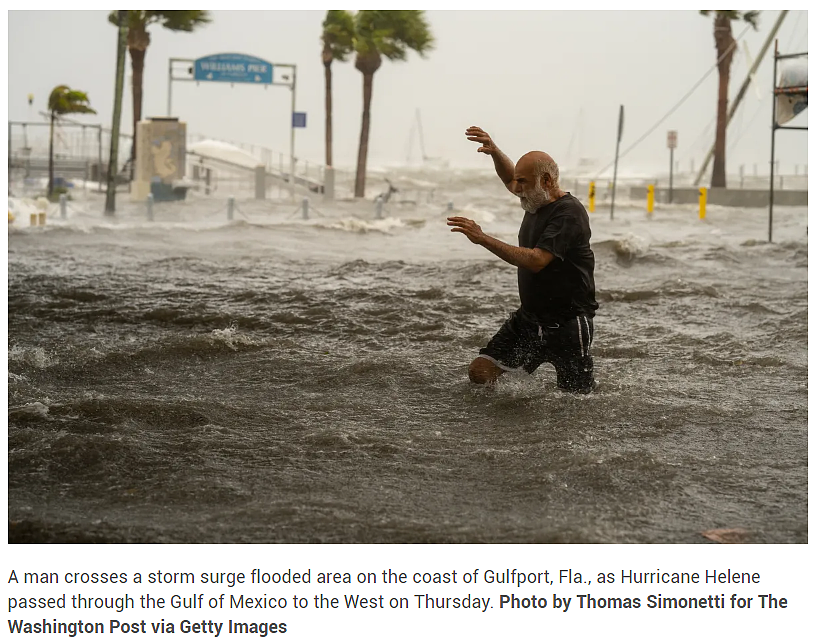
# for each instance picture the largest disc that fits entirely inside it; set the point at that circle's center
(502, 164)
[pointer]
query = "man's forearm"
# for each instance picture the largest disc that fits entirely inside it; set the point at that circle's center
(529, 258)
(503, 166)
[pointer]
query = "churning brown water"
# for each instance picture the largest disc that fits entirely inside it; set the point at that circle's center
(273, 379)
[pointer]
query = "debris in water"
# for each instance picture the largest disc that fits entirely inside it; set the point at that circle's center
(735, 536)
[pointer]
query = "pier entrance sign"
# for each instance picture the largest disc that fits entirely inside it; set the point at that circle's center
(239, 68)
(233, 68)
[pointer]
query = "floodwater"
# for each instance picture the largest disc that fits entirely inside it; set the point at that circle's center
(270, 379)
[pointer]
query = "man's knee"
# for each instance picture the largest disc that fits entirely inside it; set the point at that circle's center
(483, 371)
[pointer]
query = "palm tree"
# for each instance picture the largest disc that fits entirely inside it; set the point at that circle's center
(725, 48)
(63, 100)
(338, 37)
(383, 34)
(139, 38)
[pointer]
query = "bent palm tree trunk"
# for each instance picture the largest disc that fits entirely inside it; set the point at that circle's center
(724, 50)
(137, 68)
(138, 41)
(363, 146)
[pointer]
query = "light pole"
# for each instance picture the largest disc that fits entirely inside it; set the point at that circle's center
(110, 196)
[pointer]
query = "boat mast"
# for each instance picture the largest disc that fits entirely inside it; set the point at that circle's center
(420, 134)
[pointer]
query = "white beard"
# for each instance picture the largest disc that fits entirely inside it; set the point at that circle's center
(534, 199)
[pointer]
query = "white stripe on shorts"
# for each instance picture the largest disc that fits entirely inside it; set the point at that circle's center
(581, 343)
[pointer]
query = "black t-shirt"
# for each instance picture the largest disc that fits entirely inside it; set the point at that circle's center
(565, 287)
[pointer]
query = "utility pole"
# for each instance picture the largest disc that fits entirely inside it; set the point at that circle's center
(292, 138)
(743, 90)
(671, 143)
(122, 41)
(616, 159)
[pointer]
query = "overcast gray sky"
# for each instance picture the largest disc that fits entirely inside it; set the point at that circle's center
(533, 79)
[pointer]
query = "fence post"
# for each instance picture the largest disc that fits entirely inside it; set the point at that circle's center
(149, 206)
(63, 206)
(379, 207)
(231, 202)
(99, 157)
(329, 183)
(305, 208)
(261, 182)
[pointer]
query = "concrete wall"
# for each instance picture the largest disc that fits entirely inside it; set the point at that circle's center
(725, 196)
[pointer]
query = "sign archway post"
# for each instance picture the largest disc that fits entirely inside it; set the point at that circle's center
(236, 68)
(780, 91)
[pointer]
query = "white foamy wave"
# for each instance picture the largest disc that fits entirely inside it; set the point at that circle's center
(231, 337)
(359, 225)
(630, 246)
(36, 357)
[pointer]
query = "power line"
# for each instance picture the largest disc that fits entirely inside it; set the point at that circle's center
(747, 127)
(794, 32)
(681, 101)
(695, 146)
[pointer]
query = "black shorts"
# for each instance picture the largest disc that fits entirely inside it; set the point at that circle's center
(524, 343)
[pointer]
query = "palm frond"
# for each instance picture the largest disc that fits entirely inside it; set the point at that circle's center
(182, 20)
(338, 34)
(175, 20)
(393, 33)
(732, 14)
(752, 18)
(64, 100)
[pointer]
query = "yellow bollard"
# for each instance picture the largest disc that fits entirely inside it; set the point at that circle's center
(42, 218)
(591, 196)
(702, 202)
(32, 219)
(651, 195)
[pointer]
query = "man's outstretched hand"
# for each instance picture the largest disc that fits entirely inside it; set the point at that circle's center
(477, 135)
(468, 227)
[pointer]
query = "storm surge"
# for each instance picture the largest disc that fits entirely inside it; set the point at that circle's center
(278, 380)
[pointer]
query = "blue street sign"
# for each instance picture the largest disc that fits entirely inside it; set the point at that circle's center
(299, 119)
(233, 68)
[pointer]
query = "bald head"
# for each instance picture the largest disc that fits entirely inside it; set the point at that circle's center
(539, 165)
(536, 180)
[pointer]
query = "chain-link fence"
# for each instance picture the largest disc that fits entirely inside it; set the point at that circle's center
(81, 153)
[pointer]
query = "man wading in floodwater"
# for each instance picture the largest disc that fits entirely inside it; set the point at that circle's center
(555, 276)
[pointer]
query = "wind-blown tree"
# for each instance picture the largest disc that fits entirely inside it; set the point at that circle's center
(139, 38)
(383, 34)
(63, 100)
(725, 48)
(338, 37)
